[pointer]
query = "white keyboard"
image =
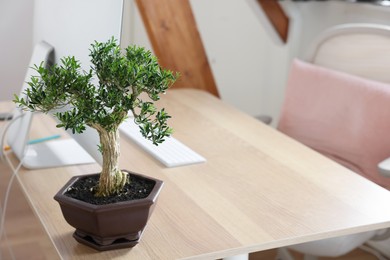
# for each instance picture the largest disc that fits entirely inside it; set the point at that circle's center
(171, 152)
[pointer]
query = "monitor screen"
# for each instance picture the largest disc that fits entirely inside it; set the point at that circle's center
(71, 26)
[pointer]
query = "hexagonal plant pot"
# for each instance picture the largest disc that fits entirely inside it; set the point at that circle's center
(109, 226)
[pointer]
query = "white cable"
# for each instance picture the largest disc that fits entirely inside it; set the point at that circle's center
(5, 129)
(2, 132)
(3, 209)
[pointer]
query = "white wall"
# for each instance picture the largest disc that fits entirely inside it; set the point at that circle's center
(246, 60)
(237, 47)
(16, 21)
(250, 67)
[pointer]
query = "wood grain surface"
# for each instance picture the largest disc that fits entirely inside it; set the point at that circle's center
(258, 190)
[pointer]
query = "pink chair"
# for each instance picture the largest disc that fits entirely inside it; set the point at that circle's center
(338, 103)
(345, 117)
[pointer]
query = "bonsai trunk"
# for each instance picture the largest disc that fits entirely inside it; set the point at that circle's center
(112, 179)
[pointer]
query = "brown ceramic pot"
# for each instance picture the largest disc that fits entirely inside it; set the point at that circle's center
(110, 226)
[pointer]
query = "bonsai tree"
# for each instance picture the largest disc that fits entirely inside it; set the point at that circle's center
(102, 97)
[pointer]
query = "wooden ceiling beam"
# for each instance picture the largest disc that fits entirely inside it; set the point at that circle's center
(277, 17)
(176, 42)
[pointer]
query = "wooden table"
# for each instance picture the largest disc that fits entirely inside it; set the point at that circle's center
(258, 190)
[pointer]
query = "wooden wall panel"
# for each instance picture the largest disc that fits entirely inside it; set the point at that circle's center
(276, 16)
(175, 39)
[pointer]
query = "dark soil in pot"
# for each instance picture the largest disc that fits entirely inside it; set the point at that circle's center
(84, 190)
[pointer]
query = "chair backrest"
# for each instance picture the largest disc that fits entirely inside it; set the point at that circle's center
(338, 102)
(358, 49)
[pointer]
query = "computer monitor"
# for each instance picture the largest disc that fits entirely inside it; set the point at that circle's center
(71, 26)
(54, 153)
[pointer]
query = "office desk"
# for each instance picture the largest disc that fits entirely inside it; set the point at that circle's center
(258, 190)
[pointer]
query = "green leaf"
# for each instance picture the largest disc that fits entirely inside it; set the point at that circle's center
(122, 76)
